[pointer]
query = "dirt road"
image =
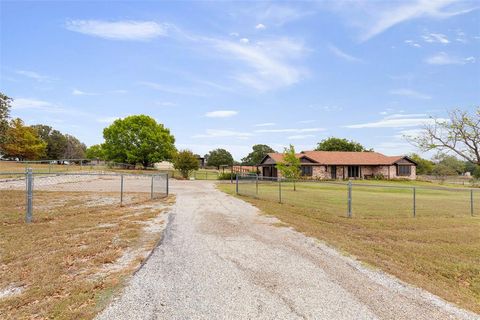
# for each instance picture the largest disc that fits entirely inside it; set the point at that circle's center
(221, 259)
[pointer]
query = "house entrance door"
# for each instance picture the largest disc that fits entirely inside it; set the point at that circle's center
(334, 172)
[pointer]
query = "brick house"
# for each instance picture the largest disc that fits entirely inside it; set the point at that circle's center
(344, 165)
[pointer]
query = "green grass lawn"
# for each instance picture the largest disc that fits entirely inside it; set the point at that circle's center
(439, 250)
(370, 199)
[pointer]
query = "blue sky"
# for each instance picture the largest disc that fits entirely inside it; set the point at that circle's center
(234, 74)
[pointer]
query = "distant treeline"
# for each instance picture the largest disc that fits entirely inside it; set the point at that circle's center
(36, 142)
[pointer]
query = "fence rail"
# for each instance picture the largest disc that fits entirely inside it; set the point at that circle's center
(363, 199)
(40, 192)
(64, 165)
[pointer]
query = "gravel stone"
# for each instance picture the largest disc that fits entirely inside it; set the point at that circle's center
(220, 259)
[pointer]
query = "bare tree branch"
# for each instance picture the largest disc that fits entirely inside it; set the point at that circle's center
(459, 134)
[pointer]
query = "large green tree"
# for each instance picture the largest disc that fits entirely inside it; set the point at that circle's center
(95, 152)
(74, 148)
(473, 168)
(219, 157)
(448, 164)
(339, 144)
(23, 142)
(424, 166)
(258, 153)
(185, 162)
(138, 139)
(56, 141)
(289, 167)
(5, 106)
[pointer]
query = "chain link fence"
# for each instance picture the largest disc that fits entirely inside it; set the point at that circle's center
(366, 200)
(38, 195)
(64, 165)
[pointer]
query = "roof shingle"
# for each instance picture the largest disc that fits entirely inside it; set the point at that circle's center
(343, 158)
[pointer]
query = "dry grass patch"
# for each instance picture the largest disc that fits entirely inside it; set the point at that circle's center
(439, 250)
(68, 263)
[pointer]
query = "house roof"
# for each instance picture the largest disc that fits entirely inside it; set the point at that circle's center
(343, 158)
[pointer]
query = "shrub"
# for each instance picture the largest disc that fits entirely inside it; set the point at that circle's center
(185, 162)
(227, 176)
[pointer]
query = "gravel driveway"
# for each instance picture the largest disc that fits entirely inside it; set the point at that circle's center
(221, 259)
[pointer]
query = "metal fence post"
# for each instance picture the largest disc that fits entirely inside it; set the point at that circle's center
(121, 190)
(279, 190)
(471, 202)
(167, 184)
(151, 189)
(414, 202)
(256, 184)
(236, 184)
(29, 191)
(349, 212)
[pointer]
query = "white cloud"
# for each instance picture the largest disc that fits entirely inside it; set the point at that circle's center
(107, 119)
(306, 121)
(213, 133)
(409, 133)
(461, 37)
(234, 34)
(412, 43)
(43, 106)
(118, 30)
(394, 147)
(27, 103)
(260, 26)
(325, 108)
(300, 136)
(266, 124)
(165, 104)
(221, 114)
(410, 93)
(34, 75)
(384, 16)
(272, 62)
(299, 130)
(172, 89)
(443, 58)
(405, 115)
(280, 14)
(435, 38)
(396, 121)
(77, 92)
(244, 40)
(339, 53)
(469, 60)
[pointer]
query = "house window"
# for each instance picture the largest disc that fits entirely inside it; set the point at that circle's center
(404, 170)
(307, 170)
(353, 171)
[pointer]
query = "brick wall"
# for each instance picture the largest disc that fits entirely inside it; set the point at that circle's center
(319, 172)
(389, 172)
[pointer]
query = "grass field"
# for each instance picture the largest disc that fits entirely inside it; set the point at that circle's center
(439, 250)
(12, 166)
(76, 254)
(17, 167)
